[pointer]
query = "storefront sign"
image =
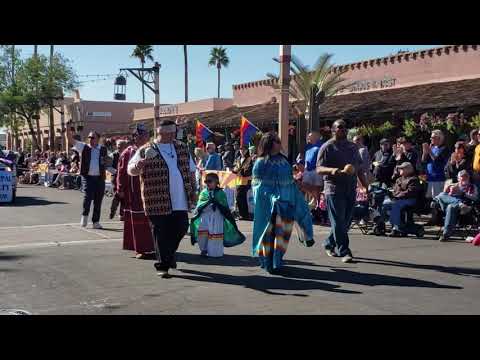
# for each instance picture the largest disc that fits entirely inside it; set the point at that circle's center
(168, 110)
(365, 85)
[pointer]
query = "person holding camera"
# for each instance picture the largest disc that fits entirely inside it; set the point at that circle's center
(93, 163)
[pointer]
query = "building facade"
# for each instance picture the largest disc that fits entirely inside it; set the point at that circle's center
(436, 65)
(105, 117)
(443, 78)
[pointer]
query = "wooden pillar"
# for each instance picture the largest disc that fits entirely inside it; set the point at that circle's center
(283, 112)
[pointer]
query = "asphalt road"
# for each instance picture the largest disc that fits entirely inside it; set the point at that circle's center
(49, 265)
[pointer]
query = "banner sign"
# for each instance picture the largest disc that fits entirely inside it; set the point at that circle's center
(6, 186)
(229, 182)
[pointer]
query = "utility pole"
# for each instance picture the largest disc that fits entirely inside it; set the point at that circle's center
(51, 129)
(283, 112)
(186, 71)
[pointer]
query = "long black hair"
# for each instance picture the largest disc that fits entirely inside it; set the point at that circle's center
(265, 145)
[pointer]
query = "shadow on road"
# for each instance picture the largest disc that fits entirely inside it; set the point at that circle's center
(358, 278)
(234, 260)
(10, 257)
(265, 284)
(445, 269)
(33, 201)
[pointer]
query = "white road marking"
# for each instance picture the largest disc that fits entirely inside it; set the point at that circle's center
(58, 243)
(93, 232)
(49, 225)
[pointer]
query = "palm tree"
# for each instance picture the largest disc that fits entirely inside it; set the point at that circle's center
(185, 57)
(218, 58)
(143, 52)
(37, 115)
(312, 86)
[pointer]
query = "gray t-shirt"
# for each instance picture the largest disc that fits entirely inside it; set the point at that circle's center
(337, 154)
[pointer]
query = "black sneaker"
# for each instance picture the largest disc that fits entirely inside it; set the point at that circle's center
(396, 233)
(310, 243)
(163, 274)
(330, 253)
(443, 238)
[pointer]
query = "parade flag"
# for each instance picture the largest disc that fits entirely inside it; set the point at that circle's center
(247, 131)
(202, 133)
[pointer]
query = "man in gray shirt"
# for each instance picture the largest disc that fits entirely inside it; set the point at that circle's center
(340, 187)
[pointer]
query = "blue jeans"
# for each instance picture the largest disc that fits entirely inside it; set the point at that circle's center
(340, 212)
(450, 206)
(395, 207)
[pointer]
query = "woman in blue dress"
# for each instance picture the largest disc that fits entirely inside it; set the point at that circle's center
(279, 206)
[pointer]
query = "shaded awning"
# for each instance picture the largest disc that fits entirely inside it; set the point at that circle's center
(358, 107)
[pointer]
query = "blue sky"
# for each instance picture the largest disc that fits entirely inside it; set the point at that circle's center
(247, 63)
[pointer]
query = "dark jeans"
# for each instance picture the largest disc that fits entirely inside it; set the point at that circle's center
(168, 231)
(94, 189)
(340, 212)
(242, 202)
(77, 181)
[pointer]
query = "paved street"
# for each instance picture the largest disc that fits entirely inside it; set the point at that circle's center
(49, 265)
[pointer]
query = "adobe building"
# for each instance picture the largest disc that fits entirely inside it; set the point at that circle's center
(106, 117)
(437, 80)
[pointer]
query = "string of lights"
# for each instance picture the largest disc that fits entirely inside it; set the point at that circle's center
(97, 77)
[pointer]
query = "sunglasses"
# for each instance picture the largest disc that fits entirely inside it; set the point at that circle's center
(340, 127)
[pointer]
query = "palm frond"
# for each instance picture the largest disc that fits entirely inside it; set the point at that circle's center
(323, 61)
(218, 56)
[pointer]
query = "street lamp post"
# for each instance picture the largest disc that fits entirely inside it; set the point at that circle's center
(285, 56)
(120, 84)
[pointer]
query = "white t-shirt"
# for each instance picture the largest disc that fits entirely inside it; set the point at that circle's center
(177, 191)
(94, 169)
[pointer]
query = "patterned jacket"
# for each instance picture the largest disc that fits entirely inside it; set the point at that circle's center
(154, 179)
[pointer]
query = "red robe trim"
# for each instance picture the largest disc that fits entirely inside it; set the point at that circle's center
(137, 234)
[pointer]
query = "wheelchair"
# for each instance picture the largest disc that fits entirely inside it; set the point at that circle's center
(467, 224)
(408, 225)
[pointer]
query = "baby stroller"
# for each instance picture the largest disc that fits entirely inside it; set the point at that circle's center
(378, 193)
(363, 212)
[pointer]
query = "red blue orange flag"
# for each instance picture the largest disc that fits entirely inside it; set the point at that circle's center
(202, 133)
(247, 131)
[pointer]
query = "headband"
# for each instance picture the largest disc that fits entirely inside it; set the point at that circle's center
(168, 128)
